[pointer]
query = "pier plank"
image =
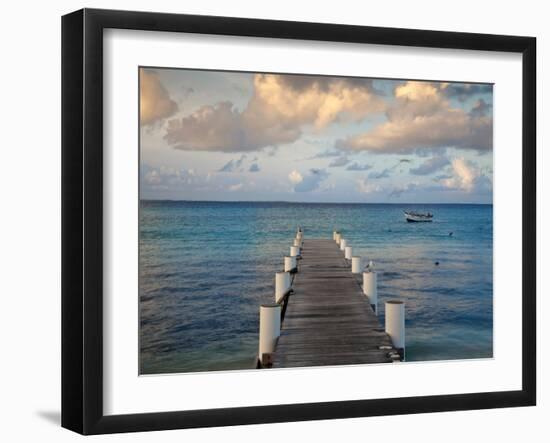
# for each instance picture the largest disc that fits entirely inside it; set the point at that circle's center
(328, 320)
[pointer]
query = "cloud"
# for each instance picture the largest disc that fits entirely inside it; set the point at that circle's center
(254, 168)
(309, 182)
(295, 177)
(155, 103)
(313, 99)
(152, 177)
(466, 177)
(463, 91)
(366, 187)
(431, 165)
(186, 183)
(187, 92)
(423, 118)
(280, 107)
(312, 141)
(327, 154)
(381, 174)
(235, 187)
(232, 164)
(481, 109)
(211, 128)
(357, 167)
(340, 161)
(399, 163)
(163, 177)
(400, 190)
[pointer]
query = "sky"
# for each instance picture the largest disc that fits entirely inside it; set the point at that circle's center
(239, 136)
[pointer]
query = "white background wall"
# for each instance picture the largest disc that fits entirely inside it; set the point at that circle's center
(30, 218)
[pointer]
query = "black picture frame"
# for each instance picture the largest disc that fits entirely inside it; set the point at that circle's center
(82, 219)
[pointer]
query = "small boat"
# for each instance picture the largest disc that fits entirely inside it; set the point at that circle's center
(413, 216)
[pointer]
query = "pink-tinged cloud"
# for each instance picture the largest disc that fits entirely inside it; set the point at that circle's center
(279, 110)
(155, 103)
(224, 128)
(423, 118)
(466, 177)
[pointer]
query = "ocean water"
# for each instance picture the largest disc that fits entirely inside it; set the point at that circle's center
(205, 267)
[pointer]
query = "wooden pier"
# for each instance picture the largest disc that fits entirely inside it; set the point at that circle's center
(327, 318)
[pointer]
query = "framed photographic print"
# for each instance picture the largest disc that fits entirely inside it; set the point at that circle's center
(269, 221)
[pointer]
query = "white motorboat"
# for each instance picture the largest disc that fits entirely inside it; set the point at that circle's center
(413, 216)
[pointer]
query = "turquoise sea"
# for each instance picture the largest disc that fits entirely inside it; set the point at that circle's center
(205, 267)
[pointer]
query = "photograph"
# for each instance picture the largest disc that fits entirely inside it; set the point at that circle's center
(253, 222)
(293, 220)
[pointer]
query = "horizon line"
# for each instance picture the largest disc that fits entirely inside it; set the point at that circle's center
(306, 202)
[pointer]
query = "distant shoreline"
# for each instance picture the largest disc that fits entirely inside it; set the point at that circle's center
(311, 203)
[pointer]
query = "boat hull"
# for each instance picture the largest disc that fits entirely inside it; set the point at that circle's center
(414, 220)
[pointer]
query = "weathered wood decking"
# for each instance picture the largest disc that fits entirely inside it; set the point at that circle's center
(328, 320)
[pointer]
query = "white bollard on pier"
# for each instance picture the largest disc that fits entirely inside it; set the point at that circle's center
(395, 324)
(297, 242)
(348, 252)
(338, 238)
(370, 289)
(343, 244)
(282, 285)
(294, 251)
(334, 233)
(270, 329)
(356, 267)
(290, 263)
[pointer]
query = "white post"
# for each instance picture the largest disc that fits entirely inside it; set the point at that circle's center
(395, 323)
(290, 263)
(282, 285)
(297, 242)
(338, 238)
(348, 252)
(370, 289)
(294, 251)
(270, 328)
(343, 244)
(334, 235)
(356, 267)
